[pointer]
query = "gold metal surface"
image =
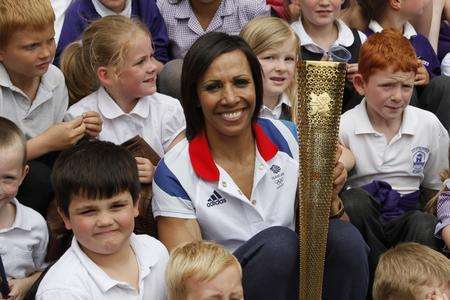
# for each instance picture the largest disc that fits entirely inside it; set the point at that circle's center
(320, 91)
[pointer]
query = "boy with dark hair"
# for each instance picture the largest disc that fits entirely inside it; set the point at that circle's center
(23, 232)
(97, 189)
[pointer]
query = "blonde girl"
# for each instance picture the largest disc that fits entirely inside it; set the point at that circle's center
(277, 47)
(112, 71)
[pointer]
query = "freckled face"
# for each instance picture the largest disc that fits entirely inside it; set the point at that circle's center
(388, 93)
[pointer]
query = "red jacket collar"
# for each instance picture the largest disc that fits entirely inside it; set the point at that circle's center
(203, 162)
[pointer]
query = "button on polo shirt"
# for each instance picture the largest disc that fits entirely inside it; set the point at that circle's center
(415, 155)
(189, 184)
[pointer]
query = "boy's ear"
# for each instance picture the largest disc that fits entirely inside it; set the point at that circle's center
(395, 4)
(359, 84)
(65, 219)
(26, 168)
(136, 207)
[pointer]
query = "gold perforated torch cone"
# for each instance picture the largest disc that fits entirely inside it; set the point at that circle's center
(320, 91)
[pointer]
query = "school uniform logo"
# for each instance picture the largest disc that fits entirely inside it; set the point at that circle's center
(215, 199)
(278, 177)
(419, 159)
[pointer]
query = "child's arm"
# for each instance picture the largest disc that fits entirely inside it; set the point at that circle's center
(422, 75)
(60, 136)
(347, 158)
(20, 287)
(146, 169)
(352, 70)
(93, 122)
(446, 236)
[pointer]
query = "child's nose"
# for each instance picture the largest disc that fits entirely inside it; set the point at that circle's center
(104, 219)
(280, 65)
(45, 52)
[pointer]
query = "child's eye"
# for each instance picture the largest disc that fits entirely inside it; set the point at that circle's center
(407, 86)
(31, 46)
(87, 212)
(118, 206)
(289, 58)
(268, 57)
(140, 62)
(387, 85)
(241, 82)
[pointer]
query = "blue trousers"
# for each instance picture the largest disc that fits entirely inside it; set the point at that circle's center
(270, 264)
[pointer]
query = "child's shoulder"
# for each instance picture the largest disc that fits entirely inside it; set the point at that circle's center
(424, 120)
(66, 276)
(149, 245)
(355, 115)
(163, 99)
(88, 103)
(54, 77)
(33, 219)
(161, 103)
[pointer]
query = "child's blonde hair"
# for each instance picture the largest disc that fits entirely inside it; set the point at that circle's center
(200, 260)
(263, 33)
(23, 14)
(105, 42)
(404, 270)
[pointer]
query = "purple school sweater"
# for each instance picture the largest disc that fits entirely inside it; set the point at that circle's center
(424, 51)
(81, 12)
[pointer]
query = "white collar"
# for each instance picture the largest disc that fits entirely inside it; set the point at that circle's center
(345, 35)
(284, 99)
(103, 11)
(365, 126)
(20, 221)
(110, 110)
(144, 257)
(408, 29)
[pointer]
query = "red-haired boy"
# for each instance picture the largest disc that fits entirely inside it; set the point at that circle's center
(397, 147)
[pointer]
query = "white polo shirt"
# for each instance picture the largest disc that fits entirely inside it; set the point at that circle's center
(415, 155)
(76, 276)
(157, 118)
(275, 113)
(23, 246)
(345, 37)
(33, 117)
(188, 184)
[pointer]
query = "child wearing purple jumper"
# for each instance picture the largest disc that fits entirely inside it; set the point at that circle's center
(82, 12)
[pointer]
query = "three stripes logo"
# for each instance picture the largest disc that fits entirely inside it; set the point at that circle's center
(216, 199)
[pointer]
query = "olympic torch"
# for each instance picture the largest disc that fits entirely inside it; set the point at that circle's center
(320, 91)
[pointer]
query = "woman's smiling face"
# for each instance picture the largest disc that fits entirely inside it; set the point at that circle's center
(226, 93)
